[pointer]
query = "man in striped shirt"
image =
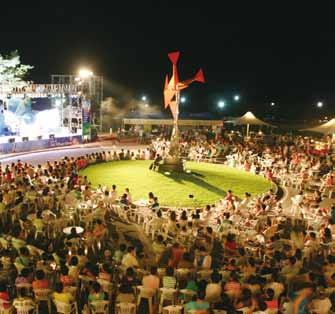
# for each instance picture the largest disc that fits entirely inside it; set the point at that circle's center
(169, 281)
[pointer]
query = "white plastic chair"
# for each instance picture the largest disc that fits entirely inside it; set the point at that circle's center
(107, 287)
(172, 309)
(167, 294)
(24, 306)
(126, 308)
(3, 309)
(146, 293)
(42, 295)
(187, 295)
(26, 286)
(66, 308)
(100, 307)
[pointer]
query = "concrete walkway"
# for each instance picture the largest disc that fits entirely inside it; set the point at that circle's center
(56, 153)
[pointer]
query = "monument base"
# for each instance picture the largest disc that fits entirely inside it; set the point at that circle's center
(172, 164)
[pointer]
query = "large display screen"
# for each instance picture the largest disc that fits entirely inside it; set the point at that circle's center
(38, 118)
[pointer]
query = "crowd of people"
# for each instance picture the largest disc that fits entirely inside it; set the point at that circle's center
(60, 239)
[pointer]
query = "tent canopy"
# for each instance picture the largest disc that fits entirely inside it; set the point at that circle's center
(325, 128)
(249, 118)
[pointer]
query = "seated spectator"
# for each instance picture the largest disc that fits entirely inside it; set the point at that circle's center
(96, 294)
(99, 229)
(151, 281)
(105, 272)
(230, 244)
(73, 267)
(233, 287)
(225, 304)
(169, 281)
(24, 277)
(270, 300)
(176, 254)
(129, 259)
(65, 278)
(41, 282)
(127, 286)
(198, 305)
(213, 289)
(22, 300)
(321, 303)
(90, 270)
(119, 254)
(4, 295)
(186, 261)
(124, 200)
(204, 260)
(61, 296)
(245, 302)
(73, 234)
(23, 258)
(155, 205)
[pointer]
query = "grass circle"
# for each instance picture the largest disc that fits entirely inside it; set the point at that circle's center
(207, 182)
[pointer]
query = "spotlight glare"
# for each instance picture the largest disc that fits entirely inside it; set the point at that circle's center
(221, 104)
(85, 73)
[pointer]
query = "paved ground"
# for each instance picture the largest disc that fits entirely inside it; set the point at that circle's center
(40, 157)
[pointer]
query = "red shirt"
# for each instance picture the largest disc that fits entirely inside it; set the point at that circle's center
(9, 176)
(231, 245)
(5, 297)
(176, 256)
(272, 305)
(229, 197)
(66, 280)
(40, 284)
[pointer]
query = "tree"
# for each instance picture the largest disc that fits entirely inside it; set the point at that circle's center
(12, 72)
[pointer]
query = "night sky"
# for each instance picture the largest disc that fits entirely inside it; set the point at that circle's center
(275, 53)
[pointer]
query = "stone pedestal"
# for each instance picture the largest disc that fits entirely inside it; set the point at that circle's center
(172, 164)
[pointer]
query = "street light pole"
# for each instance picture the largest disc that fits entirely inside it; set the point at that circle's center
(100, 100)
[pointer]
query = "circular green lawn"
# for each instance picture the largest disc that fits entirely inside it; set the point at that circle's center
(207, 182)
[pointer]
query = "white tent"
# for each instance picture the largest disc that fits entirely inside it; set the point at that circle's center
(249, 119)
(325, 128)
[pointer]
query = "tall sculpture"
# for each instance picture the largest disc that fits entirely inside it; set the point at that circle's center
(172, 90)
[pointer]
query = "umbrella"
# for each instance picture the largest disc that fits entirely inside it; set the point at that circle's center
(249, 119)
(325, 128)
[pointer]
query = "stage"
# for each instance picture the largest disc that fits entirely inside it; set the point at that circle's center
(43, 116)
